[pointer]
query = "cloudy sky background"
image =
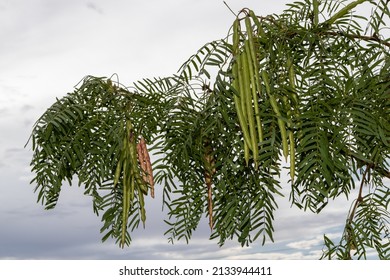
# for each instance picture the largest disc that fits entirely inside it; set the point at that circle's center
(46, 48)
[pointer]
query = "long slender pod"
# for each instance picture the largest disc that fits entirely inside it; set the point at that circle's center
(237, 85)
(249, 87)
(141, 201)
(292, 154)
(236, 37)
(124, 214)
(240, 114)
(294, 95)
(290, 137)
(291, 76)
(243, 94)
(281, 124)
(254, 75)
(125, 200)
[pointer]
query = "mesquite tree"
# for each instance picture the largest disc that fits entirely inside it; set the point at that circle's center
(309, 88)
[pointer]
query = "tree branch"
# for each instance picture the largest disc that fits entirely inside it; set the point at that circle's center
(350, 242)
(360, 196)
(361, 37)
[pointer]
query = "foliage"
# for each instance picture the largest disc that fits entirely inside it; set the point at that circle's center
(309, 86)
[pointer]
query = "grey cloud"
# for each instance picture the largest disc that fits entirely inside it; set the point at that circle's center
(26, 107)
(94, 7)
(28, 123)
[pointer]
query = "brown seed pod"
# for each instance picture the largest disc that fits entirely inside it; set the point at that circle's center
(142, 162)
(149, 169)
(146, 164)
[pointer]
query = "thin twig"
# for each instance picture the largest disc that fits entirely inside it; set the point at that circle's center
(230, 9)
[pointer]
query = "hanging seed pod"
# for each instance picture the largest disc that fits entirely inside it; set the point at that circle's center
(141, 160)
(238, 86)
(294, 98)
(146, 165)
(135, 168)
(252, 52)
(248, 88)
(124, 166)
(275, 107)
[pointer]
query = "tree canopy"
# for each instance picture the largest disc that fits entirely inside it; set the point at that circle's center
(308, 89)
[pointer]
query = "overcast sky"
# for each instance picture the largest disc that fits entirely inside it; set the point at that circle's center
(46, 48)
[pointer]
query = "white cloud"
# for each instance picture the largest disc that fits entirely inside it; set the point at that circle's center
(306, 244)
